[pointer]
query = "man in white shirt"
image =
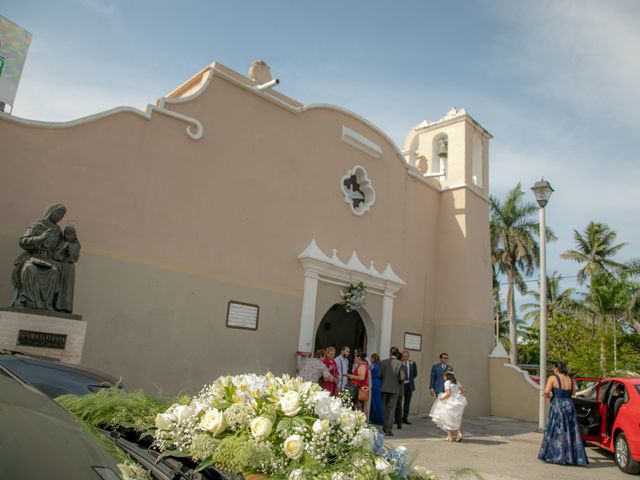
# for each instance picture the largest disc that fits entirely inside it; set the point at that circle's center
(343, 367)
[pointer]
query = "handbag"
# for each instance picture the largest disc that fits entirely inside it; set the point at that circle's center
(353, 391)
(363, 394)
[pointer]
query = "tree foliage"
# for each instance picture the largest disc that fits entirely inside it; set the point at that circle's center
(514, 242)
(594, 251)
(596, 331)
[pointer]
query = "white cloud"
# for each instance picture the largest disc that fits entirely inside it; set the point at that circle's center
(57, 102)
(60, 89)
(580, 53)
(585, 189)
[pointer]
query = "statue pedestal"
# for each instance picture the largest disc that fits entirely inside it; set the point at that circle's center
(53, 335)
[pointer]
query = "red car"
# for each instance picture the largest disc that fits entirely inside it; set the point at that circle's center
(609, 417)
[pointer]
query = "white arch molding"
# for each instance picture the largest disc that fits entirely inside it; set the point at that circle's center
(319, 267)
(370, 327)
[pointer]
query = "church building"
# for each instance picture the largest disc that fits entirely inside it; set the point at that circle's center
(222, 227)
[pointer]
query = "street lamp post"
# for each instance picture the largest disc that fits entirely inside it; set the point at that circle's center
(542, 190)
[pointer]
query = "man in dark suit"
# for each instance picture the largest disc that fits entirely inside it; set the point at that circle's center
(390, 388)
(397, 417)
(436, 383)
(409, 384)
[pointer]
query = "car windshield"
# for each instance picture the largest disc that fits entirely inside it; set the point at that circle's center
(55, 378)
(638, 388)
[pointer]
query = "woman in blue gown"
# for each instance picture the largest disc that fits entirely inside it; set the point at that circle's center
(562, 443)
(375, 412)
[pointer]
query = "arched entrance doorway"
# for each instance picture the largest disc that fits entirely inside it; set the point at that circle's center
(319, 268)
(339, 328)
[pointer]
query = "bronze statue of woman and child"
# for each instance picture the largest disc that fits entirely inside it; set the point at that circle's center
(44, 274)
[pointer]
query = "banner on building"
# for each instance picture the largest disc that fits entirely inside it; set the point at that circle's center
(14, 44)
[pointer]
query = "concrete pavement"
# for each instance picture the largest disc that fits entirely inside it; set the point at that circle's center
(496, 449)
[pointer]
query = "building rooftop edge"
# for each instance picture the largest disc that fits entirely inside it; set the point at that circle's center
(426, 126)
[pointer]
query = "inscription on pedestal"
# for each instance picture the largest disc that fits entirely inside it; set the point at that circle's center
(53, 335)
(41, 339)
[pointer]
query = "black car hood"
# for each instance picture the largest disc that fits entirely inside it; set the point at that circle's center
(42, 440)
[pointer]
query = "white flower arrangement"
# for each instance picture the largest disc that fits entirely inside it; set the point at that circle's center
(355, 297)
(281, 427)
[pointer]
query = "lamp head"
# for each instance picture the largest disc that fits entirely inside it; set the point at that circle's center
(542, 190)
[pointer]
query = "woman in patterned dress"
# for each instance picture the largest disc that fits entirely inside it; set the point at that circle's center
(332, 383)
(562, 443)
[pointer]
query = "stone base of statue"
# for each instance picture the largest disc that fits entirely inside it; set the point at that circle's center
(53, 335)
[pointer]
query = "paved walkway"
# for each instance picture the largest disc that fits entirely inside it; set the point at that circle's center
(496, 449)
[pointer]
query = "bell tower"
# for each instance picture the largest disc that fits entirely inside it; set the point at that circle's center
(450, 152)
(450, 157)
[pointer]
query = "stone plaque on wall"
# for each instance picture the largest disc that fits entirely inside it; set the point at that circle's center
(412, 341)
(242, 315)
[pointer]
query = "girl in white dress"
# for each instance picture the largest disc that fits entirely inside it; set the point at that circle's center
(448, 408)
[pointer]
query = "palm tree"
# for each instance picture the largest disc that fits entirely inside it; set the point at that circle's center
(498, 312)
(558, 302)
(607, 302)
(514, 234)
(631, 270)
(594, 249)
(632, 314)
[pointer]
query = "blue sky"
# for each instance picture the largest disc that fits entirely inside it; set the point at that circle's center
(555, 82)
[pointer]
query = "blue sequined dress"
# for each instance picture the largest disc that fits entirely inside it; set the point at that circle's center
(562, 443)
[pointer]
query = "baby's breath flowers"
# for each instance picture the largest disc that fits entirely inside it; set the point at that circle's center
(238, 415)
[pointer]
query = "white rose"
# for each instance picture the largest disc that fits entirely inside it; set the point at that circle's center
(347, 421)
(383, 467)
(197, 406)
(183, 413)
(317, 396)
(260, 427)
(290, 404)
(320, 426)
(296, 474)
(213, 421)
(365, 438)
(329, 408)
(165, 421)
(293, 447)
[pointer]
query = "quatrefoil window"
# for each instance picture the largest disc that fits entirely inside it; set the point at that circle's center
(358, 191)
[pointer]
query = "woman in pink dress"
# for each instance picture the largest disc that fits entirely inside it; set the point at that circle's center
(332, 383)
